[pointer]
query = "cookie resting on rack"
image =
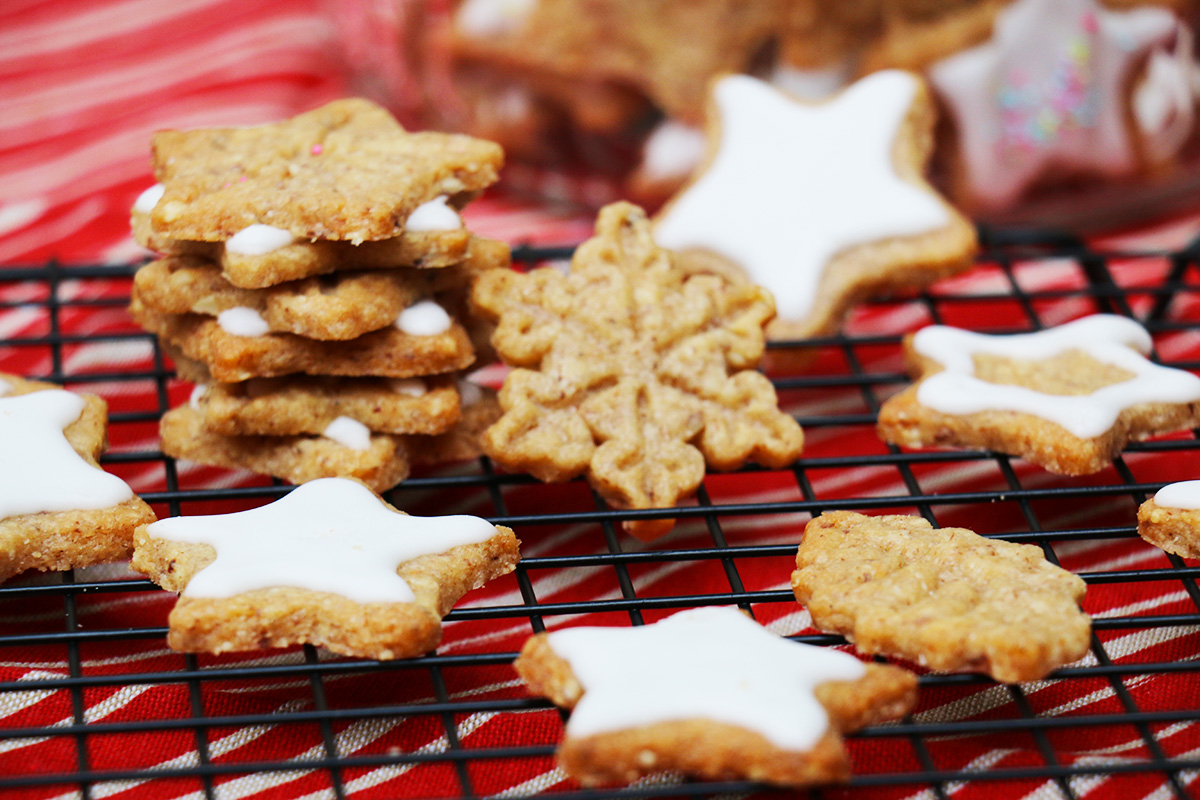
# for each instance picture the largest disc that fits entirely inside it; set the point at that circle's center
(344, 171)
(710, 693)
(58, 509)
(329, 564)
(631, 371)
(1171, 519)
(1067, 398)
(946, 598)
(823, 204)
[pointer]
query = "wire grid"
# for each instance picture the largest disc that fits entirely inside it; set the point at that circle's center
(466, 767)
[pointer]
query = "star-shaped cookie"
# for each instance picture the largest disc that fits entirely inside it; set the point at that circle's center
(711, 693)
(1171, 519)
(1048, 94)
(1067, 398)
(329, 564)
(58, 508)
(823, 204)
(644, 374)
(345, 171)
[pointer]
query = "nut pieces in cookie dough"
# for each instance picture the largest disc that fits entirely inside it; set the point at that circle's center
(632, 371)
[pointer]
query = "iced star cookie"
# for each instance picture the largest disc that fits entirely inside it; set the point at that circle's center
(345, 449)
(464, 441)
(329, 564)
(822, 204)
(238, 344)
(302, 404)
(345, 171)
(946, 598)
(711, 693)
(1171, 519)
(58, 509)
(1067, 398)
(632, 372)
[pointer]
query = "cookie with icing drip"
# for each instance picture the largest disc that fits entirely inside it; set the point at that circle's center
(329, 564)
(1067, 398)
(711, 693)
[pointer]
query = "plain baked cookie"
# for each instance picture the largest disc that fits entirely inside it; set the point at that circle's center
(1067, 398)
(329, 564)
(58, 509)
(711, 693)
(945, 598)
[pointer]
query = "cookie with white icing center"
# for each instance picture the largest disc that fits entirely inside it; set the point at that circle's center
(1171, 519)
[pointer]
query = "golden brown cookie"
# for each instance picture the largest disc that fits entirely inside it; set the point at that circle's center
(230, 357)
(300, 404)
(946, 598)
(381, 463)
(632, 372)
(823, 204)
(1171, 519)
(59, 509)
(329, 564)
(1067, 398)
(345, 171)
(464, 441)
(711, 693)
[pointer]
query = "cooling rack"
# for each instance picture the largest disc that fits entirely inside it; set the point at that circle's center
(92, 704)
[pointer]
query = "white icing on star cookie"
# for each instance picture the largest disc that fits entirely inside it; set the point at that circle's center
(243, 321)
(5, 387)
(1107, 338)
(425, 318)
(40, 470)
(433, 216)
(148, 199)
(469, 392)
(349, 432)
(1047, 91)
(413, 387)
(198, 392)
(706, 663)
(328, 535)
(1184, 495)
(793, 184)
(673, 150)
(258, 240)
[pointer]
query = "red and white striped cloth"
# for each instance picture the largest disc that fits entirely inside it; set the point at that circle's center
(83, 85)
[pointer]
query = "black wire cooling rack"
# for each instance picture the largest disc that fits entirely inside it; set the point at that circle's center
(87, 754)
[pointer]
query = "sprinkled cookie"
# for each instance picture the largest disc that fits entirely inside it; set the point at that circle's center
(329, 564)
(711, 693)
(345, 171)
(631, 371)
(1067, 398)
(946, 598)
(1171, 519)
(58, 509)
(822, 204)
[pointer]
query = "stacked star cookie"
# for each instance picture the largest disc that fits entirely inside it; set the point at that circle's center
(313, 286)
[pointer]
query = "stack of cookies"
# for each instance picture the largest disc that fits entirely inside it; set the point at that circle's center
(314, 287)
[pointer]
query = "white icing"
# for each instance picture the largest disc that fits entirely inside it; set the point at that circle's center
(148, 199)
(40, 470)
(1047, 90)
(1110, 339)
(1164, 103)
(706, 663)
(413, 387)
(793, 184)
(673, 150)
(435, 215)
(425, 318)
(811, 84)
(469, 393)
(198, 392)
(243, 321)
(349, 433)
(1184, 495)
(486, 18)
(5, 387)
(258, 240)
(328, 535)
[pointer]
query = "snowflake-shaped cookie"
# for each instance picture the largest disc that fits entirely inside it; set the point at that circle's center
(946, 598)
(644, 373)
(344, 171)
(330, 564)
(1067, 398)
(711, 693)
